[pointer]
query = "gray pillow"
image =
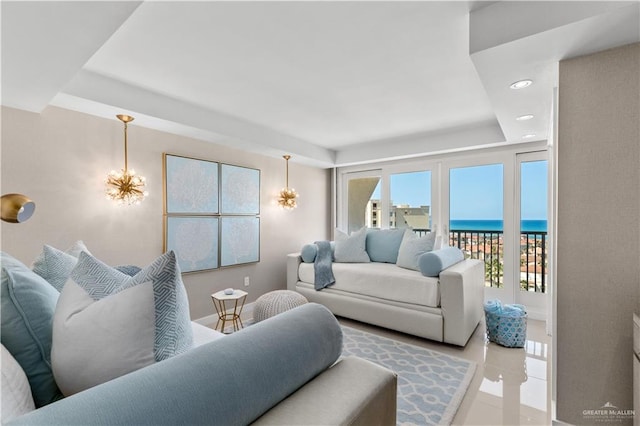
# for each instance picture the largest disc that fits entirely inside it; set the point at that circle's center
(55, 265)
(412, 247)
(351, 249)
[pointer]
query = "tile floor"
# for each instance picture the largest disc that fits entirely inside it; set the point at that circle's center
(510, 386)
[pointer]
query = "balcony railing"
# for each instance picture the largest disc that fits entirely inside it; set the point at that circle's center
(488, 246)
(533, 261)
(483, 245)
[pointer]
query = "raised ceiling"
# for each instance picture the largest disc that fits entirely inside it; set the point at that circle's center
(332, 83)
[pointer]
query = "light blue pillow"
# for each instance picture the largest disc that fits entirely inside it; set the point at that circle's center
(433, 262)
(412, 247)
(383, 245)
(308, 253)
(108, 324)
(55, 265)
(351, 249)
(27, 309)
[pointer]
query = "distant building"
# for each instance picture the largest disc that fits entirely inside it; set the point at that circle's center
(373, 214)
(400, 216)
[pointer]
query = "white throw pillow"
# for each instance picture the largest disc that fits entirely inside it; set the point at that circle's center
(412, 247)
(55, 265)
(351, 249)
(108, 324)
(16, 393)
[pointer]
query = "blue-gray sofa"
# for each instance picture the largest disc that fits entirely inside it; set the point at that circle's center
(284, 370)
(73, 326)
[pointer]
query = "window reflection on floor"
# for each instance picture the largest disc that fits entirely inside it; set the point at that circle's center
(515, 379)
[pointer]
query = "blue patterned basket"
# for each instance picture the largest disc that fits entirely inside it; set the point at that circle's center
(507, 330)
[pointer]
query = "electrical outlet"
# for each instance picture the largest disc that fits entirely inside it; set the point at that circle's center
(246, 281)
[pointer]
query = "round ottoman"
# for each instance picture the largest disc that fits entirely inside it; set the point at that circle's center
(276, 302)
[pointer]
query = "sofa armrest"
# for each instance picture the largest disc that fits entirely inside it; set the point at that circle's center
(364, 393)
(293, 263)
(461, 299)
(231, 381)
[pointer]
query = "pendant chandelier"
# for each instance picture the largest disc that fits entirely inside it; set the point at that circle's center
(288, 195)
(124, 186)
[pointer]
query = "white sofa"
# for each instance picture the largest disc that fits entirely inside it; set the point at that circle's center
(446, 309)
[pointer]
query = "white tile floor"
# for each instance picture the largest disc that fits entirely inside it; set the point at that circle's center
(510, 386)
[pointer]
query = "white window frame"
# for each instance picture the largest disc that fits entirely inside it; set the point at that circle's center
(384, 171)
(439, 165)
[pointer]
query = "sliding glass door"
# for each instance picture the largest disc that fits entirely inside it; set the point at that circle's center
(533, 241)
(476, 221)
(492, 206)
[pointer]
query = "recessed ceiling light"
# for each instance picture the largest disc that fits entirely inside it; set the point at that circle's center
(525, 117)
(521, 84)
(529, 136)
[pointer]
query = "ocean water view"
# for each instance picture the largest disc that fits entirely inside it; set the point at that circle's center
(495, 225)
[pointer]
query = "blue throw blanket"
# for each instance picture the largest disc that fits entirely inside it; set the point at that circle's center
(322, 266)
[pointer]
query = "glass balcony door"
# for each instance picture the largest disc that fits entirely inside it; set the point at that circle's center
(477, 222)
(533, 240)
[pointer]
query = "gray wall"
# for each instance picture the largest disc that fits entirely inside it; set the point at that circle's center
(598, 231)
(60, 159)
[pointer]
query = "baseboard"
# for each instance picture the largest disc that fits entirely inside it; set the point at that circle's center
(559, 423)
(536, 314)
(211, 320)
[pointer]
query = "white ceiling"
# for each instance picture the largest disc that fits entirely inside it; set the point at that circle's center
(332, 83)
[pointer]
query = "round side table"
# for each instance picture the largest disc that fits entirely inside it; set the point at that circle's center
(223, 304)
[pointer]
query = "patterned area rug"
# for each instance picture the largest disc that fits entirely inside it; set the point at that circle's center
(431, 385)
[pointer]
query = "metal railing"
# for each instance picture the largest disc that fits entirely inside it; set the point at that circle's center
(488, 246)
(533, 261)
(483, 245)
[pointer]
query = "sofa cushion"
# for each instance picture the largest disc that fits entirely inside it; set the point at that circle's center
(351, 249)
(380, 280)
(15, 393)
(412, 247)
(433, 262)
(28, 304)
(203, 334)
(108, 324)
(383, 244)
(55, 265)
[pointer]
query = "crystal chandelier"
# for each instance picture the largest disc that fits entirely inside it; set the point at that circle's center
(124, 186)
(288, 195)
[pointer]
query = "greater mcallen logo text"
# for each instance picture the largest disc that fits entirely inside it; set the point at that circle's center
(608, 412)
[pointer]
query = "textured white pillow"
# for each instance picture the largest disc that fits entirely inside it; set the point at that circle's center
(108, 324)
(55, 265)
(16, 393)
(351, 249)
(412, 247)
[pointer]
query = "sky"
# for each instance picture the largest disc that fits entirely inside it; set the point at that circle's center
(476, 192)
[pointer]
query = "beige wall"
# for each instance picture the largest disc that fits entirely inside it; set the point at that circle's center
(60, 159)
(598, 230)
